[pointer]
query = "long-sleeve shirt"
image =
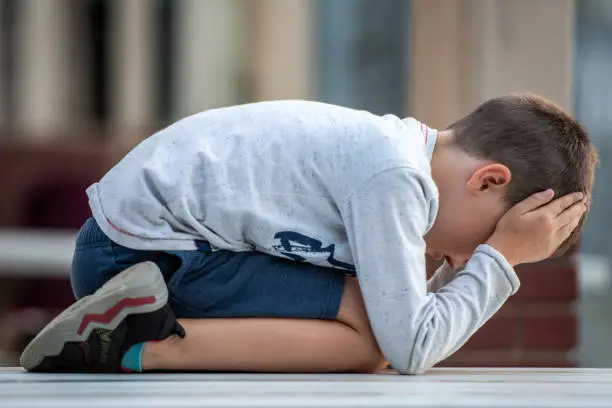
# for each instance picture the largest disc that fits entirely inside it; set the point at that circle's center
(315, 183)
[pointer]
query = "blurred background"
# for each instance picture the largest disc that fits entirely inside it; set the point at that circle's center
(82, 81)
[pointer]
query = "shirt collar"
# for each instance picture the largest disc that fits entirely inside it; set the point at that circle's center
(428, 134)
(429, 137)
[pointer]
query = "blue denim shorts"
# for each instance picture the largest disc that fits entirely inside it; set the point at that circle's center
(215, 283)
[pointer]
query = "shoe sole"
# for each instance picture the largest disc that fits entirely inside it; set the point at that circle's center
(139, 289)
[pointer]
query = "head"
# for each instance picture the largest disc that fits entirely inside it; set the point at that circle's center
(504, 151)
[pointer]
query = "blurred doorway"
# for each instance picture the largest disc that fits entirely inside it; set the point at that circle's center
(593, 102)
(362, 54)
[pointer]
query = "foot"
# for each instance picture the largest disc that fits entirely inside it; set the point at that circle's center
(94, 333)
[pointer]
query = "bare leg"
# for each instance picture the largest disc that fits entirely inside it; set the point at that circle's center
(273, 345)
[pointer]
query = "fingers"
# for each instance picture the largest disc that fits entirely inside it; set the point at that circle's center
(535, 201)
(561, 204)
(564, 232)
(576, 211)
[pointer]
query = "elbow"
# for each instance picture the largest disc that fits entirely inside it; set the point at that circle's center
(409, 370)
(410, 367)
(411, 361)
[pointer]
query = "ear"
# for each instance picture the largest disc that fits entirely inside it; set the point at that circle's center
(492, 177)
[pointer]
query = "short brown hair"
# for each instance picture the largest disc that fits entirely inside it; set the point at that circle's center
(541, 144)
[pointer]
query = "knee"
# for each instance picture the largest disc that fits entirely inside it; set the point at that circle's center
(368, 358)
(370, 363)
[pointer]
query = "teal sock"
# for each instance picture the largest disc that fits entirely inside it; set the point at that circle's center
(132, 359)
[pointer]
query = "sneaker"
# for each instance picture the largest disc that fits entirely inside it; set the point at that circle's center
(92, 335)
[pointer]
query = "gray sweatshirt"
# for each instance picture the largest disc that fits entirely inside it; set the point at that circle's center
(317, 183)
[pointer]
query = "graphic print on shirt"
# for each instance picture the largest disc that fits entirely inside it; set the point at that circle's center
(297, 247)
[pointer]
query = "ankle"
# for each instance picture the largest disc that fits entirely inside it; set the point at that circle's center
(160, 355)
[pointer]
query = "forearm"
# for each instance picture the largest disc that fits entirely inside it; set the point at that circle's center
(415, 328)
(428, 329)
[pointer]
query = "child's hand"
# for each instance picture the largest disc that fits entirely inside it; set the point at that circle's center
(533, 229)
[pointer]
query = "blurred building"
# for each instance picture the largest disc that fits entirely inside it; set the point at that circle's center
(74, 64)
(83, 80)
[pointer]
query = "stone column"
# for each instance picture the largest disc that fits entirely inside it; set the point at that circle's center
(209, 50)
(465, 51)
(435, 69)
(521, 45)
(134, 80)
(282, 49)
(45, 85)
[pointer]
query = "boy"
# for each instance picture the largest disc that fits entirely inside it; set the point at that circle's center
(260, 227)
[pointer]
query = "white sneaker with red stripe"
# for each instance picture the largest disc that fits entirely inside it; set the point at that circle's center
(93, 334)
